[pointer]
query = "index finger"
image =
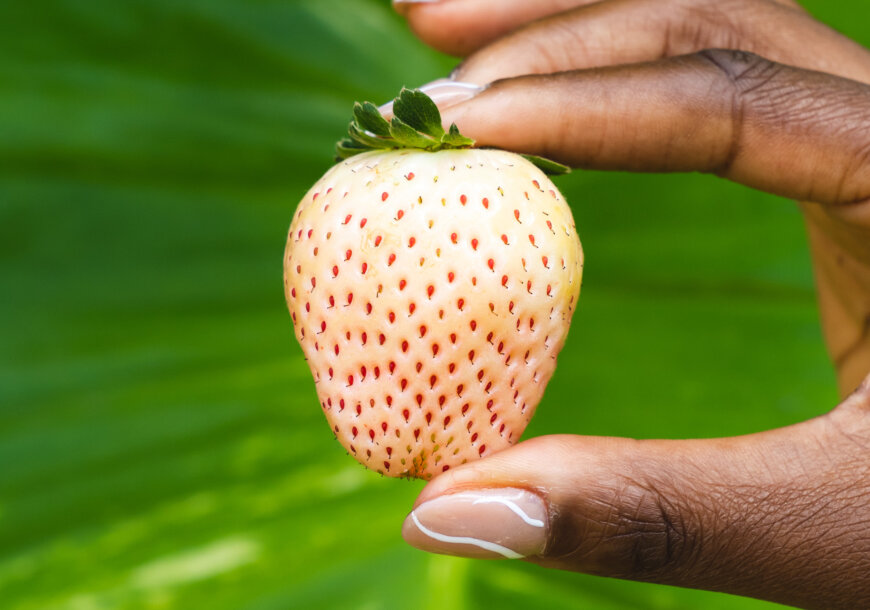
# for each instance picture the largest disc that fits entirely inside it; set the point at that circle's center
(791, 132)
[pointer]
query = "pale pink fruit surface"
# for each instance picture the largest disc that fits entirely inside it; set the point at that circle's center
(431, 294)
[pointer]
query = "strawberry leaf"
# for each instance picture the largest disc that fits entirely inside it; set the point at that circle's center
(454, 139)
(548, 166)
(346, 147)
(417, 109)
(366, 140)
(409, 137)
(368, 118)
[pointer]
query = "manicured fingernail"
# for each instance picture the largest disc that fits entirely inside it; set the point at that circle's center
(444, 92)
(485, 523)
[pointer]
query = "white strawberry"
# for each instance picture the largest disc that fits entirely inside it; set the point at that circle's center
(430, 290)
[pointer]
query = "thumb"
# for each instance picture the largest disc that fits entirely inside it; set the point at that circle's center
(775, 515)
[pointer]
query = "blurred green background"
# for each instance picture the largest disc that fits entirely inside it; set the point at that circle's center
(160, 441)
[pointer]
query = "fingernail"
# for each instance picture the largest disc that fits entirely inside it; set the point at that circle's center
(484, 524)
(414, 1)
(444, 92)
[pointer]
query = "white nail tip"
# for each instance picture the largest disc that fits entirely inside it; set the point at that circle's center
(483, 544)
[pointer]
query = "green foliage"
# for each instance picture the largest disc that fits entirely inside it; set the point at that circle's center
(160, 441)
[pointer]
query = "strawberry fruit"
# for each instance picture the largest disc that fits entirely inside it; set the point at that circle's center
(431, 287)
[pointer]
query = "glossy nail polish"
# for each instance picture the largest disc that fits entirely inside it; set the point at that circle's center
(486, 523)
(444, 92)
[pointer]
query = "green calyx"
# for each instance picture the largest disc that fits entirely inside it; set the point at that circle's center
(416, 123)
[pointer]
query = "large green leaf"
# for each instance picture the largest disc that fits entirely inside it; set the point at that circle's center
(160, 441)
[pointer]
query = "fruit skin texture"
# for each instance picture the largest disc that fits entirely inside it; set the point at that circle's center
(431, 293)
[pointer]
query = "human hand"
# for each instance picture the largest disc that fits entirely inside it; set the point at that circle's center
(796, 130)
(780, 515)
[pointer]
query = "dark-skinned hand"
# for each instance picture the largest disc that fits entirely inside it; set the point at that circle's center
(754, 91)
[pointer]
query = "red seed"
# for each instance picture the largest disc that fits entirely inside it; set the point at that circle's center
(411, 309)
(422, 331)
(365, 268)
(384, 196)
(485, 203)
(463, 199)
(410, 176)
(378, 240)
(391, 259)
(491, 264)
(411, 242)
(404, 346)
(474, 243)
(430, 290)
(363, 222)
(454, 237)
(402, 284)
(450, 277)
